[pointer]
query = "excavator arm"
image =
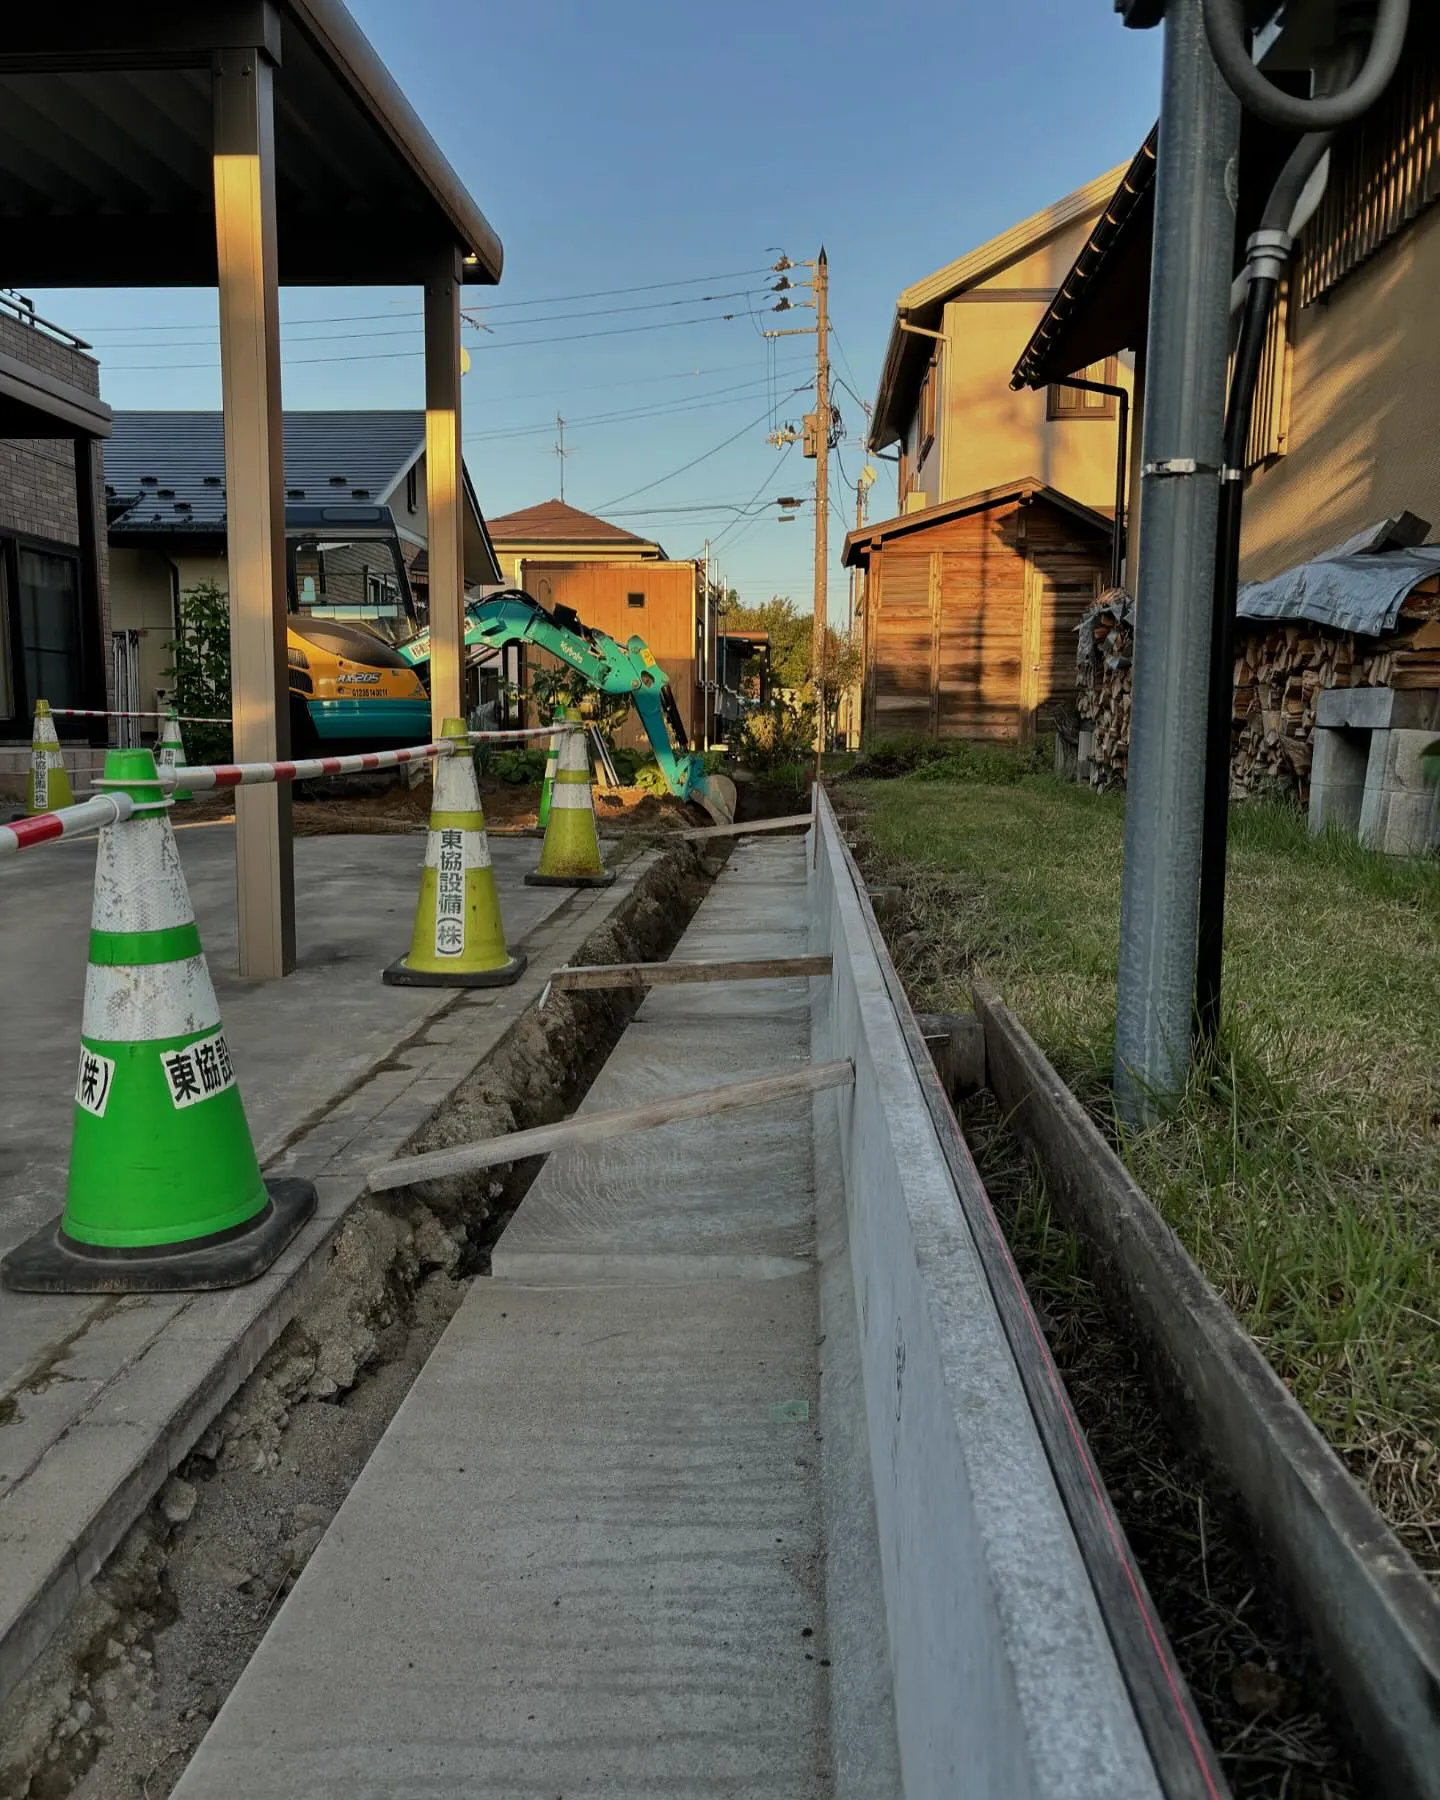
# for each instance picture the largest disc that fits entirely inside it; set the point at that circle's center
(512, 617)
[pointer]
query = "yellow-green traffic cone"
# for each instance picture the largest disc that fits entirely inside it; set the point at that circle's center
(459, 940)
(171, 754)
(552, 762)
(164, 1192)
(48, 787)
(570, 855)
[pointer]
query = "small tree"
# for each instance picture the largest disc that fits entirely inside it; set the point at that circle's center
(842, 671)
(201, 670)
(551, 689)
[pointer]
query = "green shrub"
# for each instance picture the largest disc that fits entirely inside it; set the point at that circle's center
(771, 737)
(201, 671)
(518, 767)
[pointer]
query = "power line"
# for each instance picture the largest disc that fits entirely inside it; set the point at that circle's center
(644, 287)
(576, 337)
(769, 481)
(848, 370)
(702, 402)
(704, 456)
(326, 337)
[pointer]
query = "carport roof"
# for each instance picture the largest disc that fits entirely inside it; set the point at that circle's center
(106, 139)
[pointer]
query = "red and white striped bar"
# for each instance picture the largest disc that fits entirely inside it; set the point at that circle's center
(232, 775)
(523, 731)
(87, 712)
(70, 821)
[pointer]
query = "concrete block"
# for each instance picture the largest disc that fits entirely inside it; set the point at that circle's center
(1337, 779)
(1402, 822)
(1400, 812)
(1378, 708)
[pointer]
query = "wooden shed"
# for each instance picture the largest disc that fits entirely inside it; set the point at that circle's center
(970, 608)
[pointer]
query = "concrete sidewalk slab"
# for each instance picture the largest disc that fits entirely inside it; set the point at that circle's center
(102, 1398)
(582, 1560)
(587, 1557)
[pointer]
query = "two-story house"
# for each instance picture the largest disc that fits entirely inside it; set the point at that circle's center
(54, 624)
(1003, 532)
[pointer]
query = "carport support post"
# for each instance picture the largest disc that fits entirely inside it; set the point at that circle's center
(245, 242)
(444, 489)
(1180, 491)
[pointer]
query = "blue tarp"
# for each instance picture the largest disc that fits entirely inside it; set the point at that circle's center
(1348, 593)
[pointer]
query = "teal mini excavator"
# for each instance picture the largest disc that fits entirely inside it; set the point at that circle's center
(512, 617)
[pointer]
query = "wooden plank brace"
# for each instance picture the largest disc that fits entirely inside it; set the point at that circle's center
(591, 1128)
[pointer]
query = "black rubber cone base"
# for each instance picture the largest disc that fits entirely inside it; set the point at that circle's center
(400, 975)
(602, 880)
(51, 1263)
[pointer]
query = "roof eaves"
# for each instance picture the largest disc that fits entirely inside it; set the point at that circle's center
(1135, 182)
(966, 271)
(999, 251)
(351, 55)
(1025, 489)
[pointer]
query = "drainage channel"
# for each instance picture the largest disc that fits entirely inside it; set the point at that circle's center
(1256, 1678)
(1259, 1683)
(118, 1702)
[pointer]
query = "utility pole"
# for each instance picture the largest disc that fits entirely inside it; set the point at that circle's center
(1181, 456)
(863, 482)
(821, 285)
(560, 451)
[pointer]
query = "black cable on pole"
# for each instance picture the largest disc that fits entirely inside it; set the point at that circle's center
(1215, 827)
(1229, 45)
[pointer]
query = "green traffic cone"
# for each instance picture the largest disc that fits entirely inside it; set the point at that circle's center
(459, 938)
(171, 754)
(570, 855)
(164, 1192)
(48, 788)
(547, 789)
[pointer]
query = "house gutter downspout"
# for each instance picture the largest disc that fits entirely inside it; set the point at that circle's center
(1122, 464)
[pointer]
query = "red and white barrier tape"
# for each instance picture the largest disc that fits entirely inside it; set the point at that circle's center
(523, 731)
(70, 821)
(230, 775)
(86, 712)
(109, 809)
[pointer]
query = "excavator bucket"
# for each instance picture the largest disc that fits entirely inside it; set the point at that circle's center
(717, 796)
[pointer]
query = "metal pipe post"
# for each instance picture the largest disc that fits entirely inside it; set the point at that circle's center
(1191, 269)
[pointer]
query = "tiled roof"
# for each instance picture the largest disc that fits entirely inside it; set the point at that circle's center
(171, 465)
(553, 522)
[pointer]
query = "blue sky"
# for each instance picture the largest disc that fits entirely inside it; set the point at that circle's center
(674, 150)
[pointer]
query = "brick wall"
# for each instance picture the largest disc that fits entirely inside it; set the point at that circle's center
(37, 475)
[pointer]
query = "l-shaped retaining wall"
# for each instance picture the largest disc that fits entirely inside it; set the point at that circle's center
(1005, 1681)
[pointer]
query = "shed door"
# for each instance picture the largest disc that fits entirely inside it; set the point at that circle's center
(978, 662)
(903, 636)
(1061, 590)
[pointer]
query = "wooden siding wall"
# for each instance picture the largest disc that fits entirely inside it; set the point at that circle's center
(970, 627)
(600, 594)
(1384, 169)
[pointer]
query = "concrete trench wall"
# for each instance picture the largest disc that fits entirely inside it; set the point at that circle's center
(1005, 1683)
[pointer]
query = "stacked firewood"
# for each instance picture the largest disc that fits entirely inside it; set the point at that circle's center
(1102, 686)
(1281, 666)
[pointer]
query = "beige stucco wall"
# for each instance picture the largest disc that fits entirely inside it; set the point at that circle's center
(142, 599)
(1364, 437)
(991, 434)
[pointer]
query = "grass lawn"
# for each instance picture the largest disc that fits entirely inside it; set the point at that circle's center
(1304, 1177)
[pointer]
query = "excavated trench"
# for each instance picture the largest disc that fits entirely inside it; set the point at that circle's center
(1257, 1681)
(115, 1707)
